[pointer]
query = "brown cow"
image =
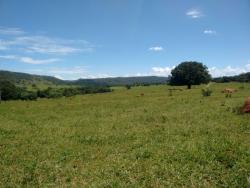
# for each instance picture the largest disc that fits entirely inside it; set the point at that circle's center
(246, 106)
(228, 90)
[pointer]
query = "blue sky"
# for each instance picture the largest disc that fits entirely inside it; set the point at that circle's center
(103, 38)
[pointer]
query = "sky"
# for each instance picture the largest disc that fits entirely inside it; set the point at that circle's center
(72, 39)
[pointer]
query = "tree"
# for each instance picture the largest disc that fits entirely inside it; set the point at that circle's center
(8, 90)
(128, 86)
(189, 73)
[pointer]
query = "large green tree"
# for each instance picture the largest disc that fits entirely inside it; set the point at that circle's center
(8, 90)
(189, 73)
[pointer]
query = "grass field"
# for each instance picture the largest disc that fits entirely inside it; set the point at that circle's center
(121, 139)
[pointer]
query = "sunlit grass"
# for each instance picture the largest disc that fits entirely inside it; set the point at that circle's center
(121, 139)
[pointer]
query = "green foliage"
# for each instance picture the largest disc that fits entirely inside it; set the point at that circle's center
(28, 95)
(207, 91)
(128, 86)
(68, 92)
(189, 73)
(8, 90)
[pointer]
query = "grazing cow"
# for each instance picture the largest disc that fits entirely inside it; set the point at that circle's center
(142, 94)
(228, 90)
(246, 106)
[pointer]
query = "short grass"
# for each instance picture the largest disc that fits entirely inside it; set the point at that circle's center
(121, 139)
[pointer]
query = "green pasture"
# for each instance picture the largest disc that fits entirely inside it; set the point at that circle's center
(123, 139)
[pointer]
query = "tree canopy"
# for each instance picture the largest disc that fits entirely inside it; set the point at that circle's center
(8, 90)
(189, 73)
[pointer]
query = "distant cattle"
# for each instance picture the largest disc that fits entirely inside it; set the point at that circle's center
(229, 90)
(246, 106)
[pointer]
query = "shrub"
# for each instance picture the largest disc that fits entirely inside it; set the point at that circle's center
(9, 91)
(128, 86)
(28, 95)
(206, 92)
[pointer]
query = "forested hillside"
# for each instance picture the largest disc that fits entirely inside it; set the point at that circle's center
(29, 79)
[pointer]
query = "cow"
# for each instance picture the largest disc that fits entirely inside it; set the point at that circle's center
(229, 90)
(246, 106)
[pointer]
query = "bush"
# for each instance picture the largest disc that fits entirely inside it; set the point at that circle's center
(206, 92)
(128, 86)
(28, 95)
(9, 91)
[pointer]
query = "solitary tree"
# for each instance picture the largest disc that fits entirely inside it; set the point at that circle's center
(8, 90)
(189, 73)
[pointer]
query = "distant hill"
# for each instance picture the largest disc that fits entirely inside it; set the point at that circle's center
(26, 79)
(29, 79)
(245, 77)
(122, 81)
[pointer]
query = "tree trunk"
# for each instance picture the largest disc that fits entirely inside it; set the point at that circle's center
(189, 86)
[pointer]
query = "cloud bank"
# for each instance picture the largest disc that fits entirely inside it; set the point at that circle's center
(214, 71)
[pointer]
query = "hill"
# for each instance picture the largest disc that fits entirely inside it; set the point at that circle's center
(121, 81)
(28, 79)
(25, 79)
(245, 77)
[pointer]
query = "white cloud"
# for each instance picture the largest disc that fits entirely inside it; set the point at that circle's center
(29, 60)
(9, 57)
(209, 32)
(156, 48)
(11, 31)
(70, 73)
(162, 71)
(194, 13)
(47, 45)
(58, 76)
(228, 71)
(214, 71)
(248, 66)
(24, 43)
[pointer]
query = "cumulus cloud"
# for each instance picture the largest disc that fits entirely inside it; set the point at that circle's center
(228, 70)
(29, 60)
(162, 71)
(209, 32)
(214, 71)
(194, 13)
(11, 31)
(156, 48)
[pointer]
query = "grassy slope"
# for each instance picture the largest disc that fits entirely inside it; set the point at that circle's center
(118, 140)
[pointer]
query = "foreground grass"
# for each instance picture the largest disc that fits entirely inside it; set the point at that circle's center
(121, 140)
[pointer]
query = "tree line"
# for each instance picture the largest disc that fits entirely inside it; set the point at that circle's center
(245, 77)
(8, 91)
